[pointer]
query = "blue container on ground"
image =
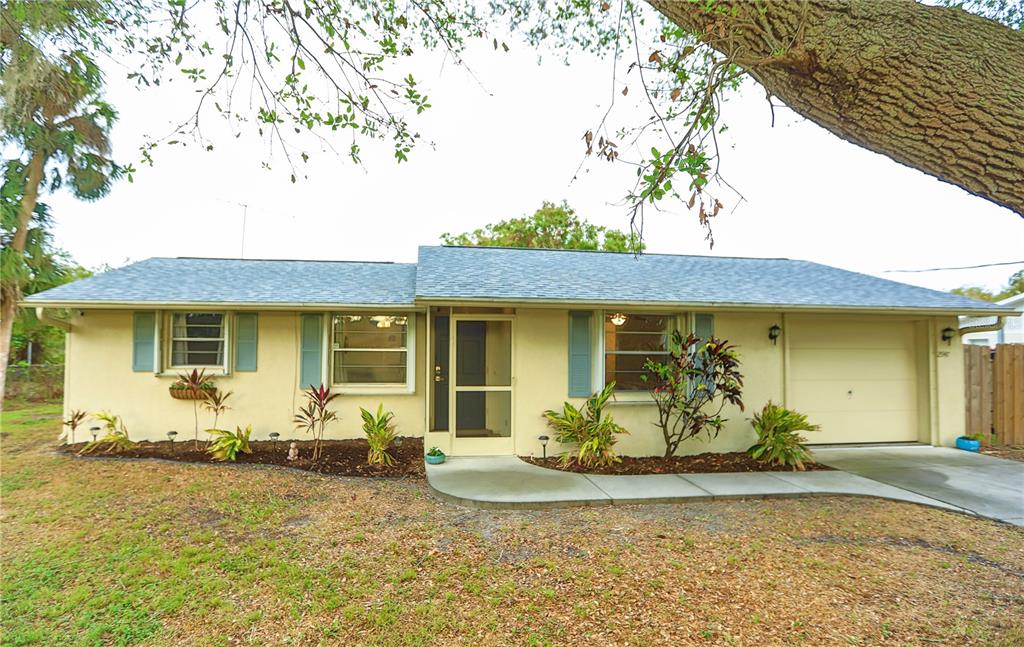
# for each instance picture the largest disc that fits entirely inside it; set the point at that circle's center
(967, 444)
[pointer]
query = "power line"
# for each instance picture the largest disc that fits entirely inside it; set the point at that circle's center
(965, 267)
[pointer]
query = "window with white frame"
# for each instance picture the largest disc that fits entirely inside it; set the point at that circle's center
(630, 339)
(197, 339)
(369, 349)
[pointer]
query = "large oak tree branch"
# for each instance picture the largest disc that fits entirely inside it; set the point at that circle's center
(935, 88)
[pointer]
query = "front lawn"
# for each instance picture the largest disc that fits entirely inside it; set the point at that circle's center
(127, 552)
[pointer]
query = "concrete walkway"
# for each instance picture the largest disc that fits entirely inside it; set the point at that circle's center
(508, 482)
(985, 485)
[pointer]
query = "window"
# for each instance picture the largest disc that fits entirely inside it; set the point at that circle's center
(197, 339)
(369, 349)
(629, 340)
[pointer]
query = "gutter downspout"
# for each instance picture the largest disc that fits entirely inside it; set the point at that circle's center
(47, 319)
(998, 325)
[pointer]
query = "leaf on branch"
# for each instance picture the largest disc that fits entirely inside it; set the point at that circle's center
(605, 6)
(654, 57)
(675, 93)
(625, 90)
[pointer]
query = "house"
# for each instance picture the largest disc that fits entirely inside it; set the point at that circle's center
(469, 346)
(1012, 331)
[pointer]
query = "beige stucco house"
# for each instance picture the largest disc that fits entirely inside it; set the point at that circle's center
(470, 345)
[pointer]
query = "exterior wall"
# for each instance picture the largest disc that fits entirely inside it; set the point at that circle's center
(542, 383)
(99, 378)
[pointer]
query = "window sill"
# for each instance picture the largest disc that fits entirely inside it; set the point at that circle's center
(210, 371)
(372, 389)
(631, 400)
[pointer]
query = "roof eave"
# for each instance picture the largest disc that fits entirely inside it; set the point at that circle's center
(217, 305)
(716, 305)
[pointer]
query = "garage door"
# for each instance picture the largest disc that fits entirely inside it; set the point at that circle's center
(858, 380)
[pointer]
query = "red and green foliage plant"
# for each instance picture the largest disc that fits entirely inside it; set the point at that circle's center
(314, 416)
(778, 439)
(197, 383)
(216, 403)
(593, 432)
(76, 418)
(692, 388)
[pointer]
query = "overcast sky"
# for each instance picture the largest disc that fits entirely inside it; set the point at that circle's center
(508, 137)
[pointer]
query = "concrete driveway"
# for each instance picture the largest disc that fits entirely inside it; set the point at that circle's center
(988, 486)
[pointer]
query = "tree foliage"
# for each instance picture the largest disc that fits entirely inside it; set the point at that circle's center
(1014, 286)
(553, 226)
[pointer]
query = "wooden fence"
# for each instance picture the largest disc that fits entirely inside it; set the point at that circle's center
(994, 390)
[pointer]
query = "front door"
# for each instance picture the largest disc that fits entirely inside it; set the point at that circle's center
(481, 412)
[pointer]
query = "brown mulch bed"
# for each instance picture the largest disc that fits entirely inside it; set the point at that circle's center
(1012, 452)
(708, 462)
(340, 457)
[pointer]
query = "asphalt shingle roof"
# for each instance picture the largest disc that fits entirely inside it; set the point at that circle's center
(214, 280)
(510, 275)
(595, 277)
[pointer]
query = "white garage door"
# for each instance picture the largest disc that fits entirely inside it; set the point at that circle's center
(858, 380)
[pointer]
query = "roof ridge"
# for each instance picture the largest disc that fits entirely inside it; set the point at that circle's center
(602, 251)
(275, 260)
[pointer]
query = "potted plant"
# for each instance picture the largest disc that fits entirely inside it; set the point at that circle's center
(969, 442)
(192, 386)
(435, 456)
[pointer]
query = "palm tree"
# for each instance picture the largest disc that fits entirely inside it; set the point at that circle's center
(53, 112)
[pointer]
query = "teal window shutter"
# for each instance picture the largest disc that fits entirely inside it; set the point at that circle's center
(143, 341)
(245, 341)
(704, 326)
(580, 356)
(310, 370)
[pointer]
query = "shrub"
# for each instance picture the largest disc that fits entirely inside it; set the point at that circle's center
(116, 438)
(216, 403)
(315, 415)
(594, 433)
(778, 438)
(226, 444)
(692, 387)
(380, 433)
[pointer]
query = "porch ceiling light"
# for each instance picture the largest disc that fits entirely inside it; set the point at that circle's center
(774, 332)
(947, 335)
(383, 321)
(618, 319)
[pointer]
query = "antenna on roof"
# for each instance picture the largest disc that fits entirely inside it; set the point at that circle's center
(245, 215)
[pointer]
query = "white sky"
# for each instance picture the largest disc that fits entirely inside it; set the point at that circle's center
(504, 145)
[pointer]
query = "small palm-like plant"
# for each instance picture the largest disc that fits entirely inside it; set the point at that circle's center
(593, 433)
(226, 444)
(314, 416)
(216, 403)
(778, 439)
(116, 438)
(197, 382)
(76, 418)
(380, 433)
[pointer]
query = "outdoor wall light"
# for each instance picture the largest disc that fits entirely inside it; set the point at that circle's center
(171, 435)
(774, 332)
(618, 319)
(544, 444)
(947, 335)
(95, 432)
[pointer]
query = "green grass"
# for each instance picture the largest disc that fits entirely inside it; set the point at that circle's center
(97, 552)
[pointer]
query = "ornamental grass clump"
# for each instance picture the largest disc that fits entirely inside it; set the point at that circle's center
(592, 432)
(380, 433)
(778, 439)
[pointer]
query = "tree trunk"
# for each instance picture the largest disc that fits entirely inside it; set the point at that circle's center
(11, 293)
(935, 88)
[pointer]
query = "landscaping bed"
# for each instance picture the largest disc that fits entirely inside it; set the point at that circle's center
(1011, 452)
(708, 462)
(340, 457)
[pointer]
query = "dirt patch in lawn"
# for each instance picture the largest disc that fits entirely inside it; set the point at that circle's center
(340, 457)
(708, 462)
